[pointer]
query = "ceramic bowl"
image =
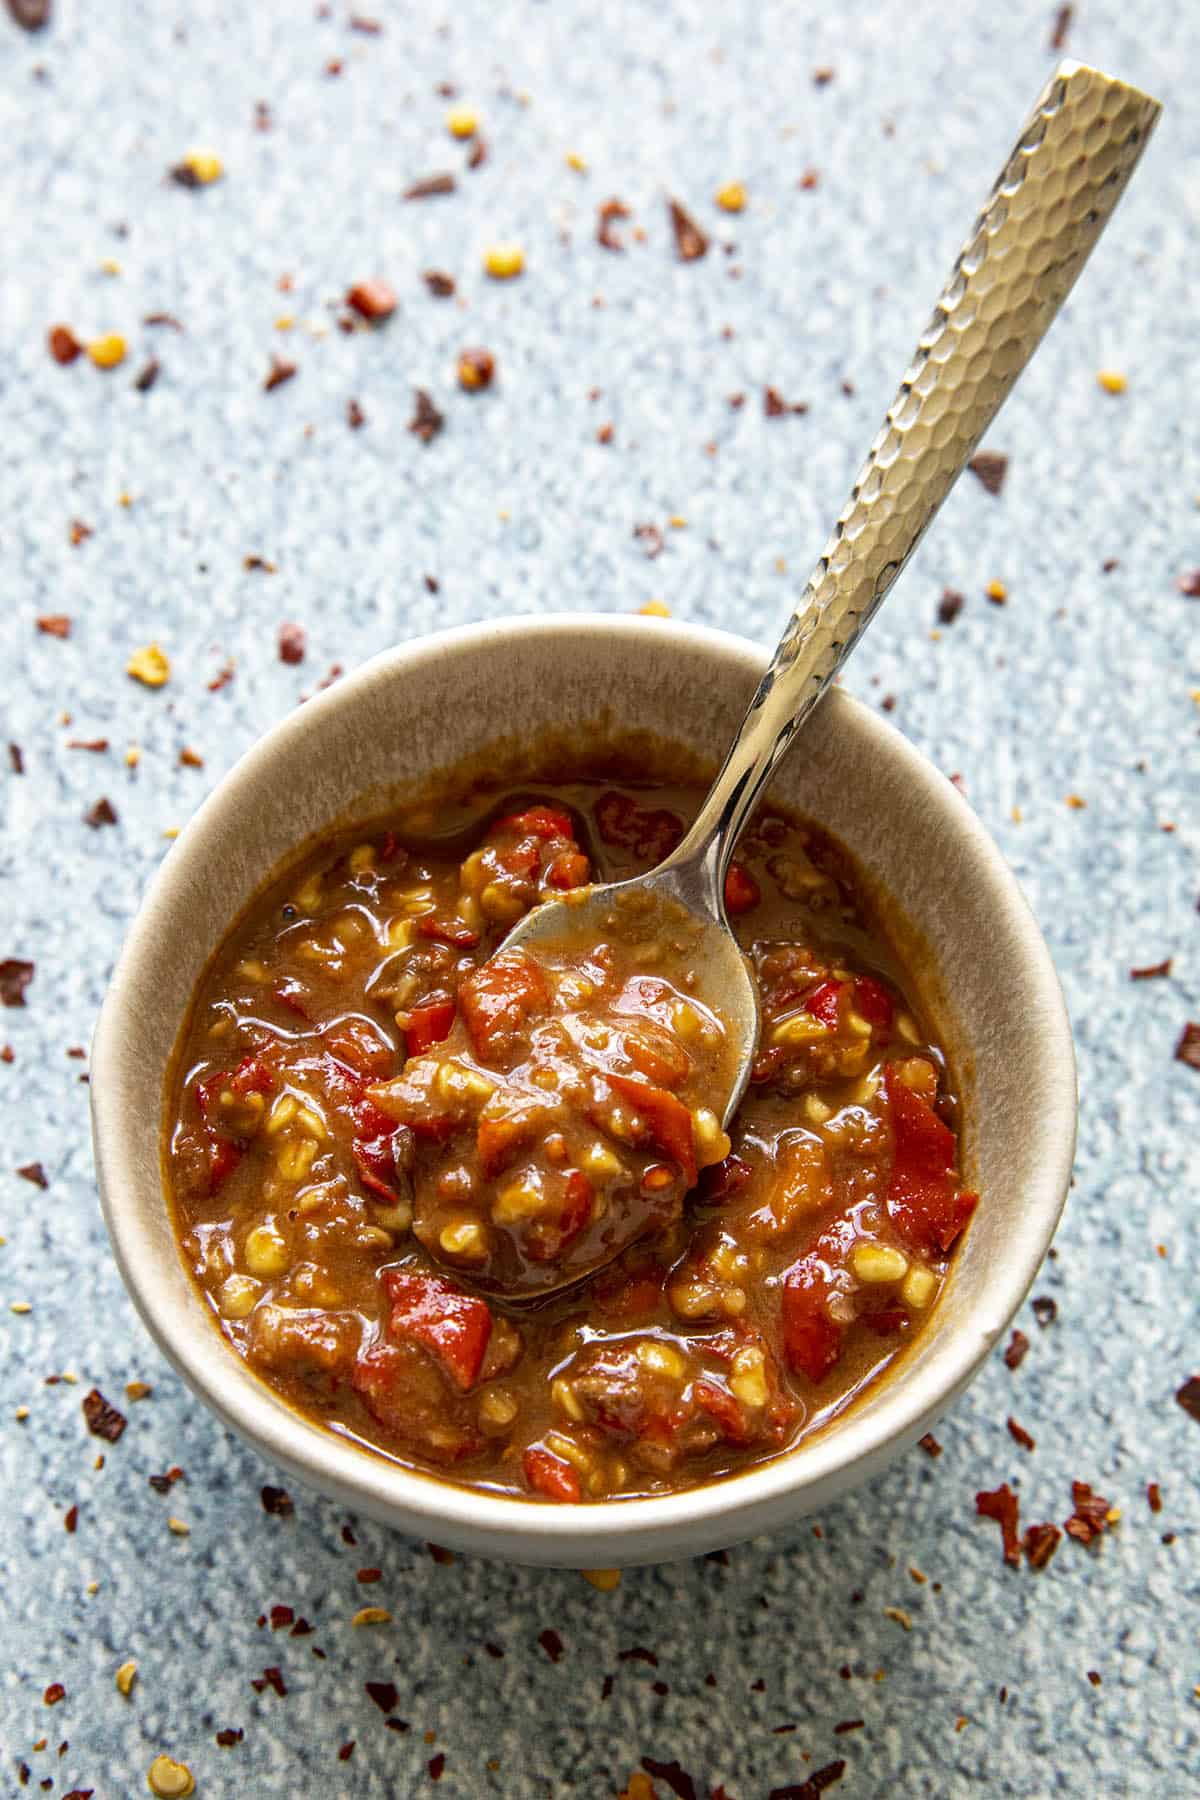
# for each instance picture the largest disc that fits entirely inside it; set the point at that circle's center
(970, 941)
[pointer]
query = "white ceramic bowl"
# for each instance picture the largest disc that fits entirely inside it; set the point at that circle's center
(972, 945)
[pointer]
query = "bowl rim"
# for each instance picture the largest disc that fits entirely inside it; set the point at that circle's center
(719, 1512)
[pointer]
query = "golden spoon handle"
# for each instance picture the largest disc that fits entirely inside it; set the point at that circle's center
(1040, 223)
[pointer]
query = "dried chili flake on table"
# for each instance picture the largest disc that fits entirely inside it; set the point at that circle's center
(190, 759)
(1189, 584)
(1039, 1544)
(1061, 26)
(930, 1445)
(368, 1576)
(356, 418)
(374, 300)
(1019, 1435)
(440, 285)
(163, 318)
(222, 678)
(1187, 1050)
(56, 625)
(426, 421)
(280, 371)
(79, 532)
(690, 242)
(270, 1678)
(63, 345)
(34, 1172)
(606, 215)
(103, 813)
(990, 468)
(650, 538)
(1154, 1497)
(369, 27)
(103, 1419)
(346, 1751)
(1018, 1350)
(676, 1778)
(776, 407)
(1188, 1396)
(1091, 1517)
(814, 1787)
(15, 978)
(384, 1693)
(147, 375)
(292, 642)
(950, 605)
(429, 187)
(230, 1735)
(54, 1693)
(551, 1643)
(280, 1617)
(71, 1519)
(1002, 1505)
(435, 1765)
(1152, 971)
(1045, 1309)
(16, 758)
(97, 745)
(848, 1725)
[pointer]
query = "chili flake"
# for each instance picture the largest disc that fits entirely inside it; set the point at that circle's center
(1062, 25)
(280, 371)
(426, 421)
(1154, 1496)
(551, 1643)
(676, 1778)
(1152, 971)
(79, 532)
(690, 242)
(292, 643)
(1045, 1309)
(606, 213)
(54, 625)
(230, 1735)
(15, 977)
(276, 1500)
(950, 605)
(103, 813)
(1092, 1515)
(430, 186)
(1019, 1435)
(1003, 1506)
(776, 407)
(1018, 1349)
(384, 1693)
(54, 1693)
(34, 1172)
(1188, 1397)
(440, 285)
(1189, 584)
(63, 345)
(147, 375)
(103, 1419)
(356, 418)
(149, 666)
(1187, 1050)
(990, 468)
(374, 299)
(930, 1445)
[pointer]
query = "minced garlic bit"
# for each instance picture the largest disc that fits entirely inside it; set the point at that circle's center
(205, 166)
(138, 1390)
(731, 197)
(180, 1527)
(503, 261)
(170, 1780)
(462, 122)
(605, 1580)
(149, 666)
(107, 352)
(1112, 381)
(655, 609)
(372, 1615)
(125, 1677)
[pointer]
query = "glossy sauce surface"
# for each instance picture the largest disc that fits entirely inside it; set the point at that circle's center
(382, 1146)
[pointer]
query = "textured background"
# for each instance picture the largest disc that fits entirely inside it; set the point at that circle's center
(1084, 683)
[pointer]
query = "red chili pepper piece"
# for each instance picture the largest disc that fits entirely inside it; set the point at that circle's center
(825, 1003)
(569, 869)
(668, 1119)
(497, 1001)
(722, 1179)
(577, 1205)
(549, 1475)
(430, 1311)
(538, 821)
(742, 892)
(923, 1200)
(427, 1025)
(874, 1003)
(455, 932)
(812, 1339)
(223, 1158)
(252, 1076)
(360, 1048)
(720, 1404)
(498, 1140)
(373, 1148)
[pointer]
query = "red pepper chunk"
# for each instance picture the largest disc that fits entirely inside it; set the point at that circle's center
(569, 869)
(721, 1406)
(223, 1158)
(825, 1003)
(812, 1338)
(550, 1476)
(874, 1003)
(498, 999)
(374, 1155)
(252, 1076)
(538, 821)
(722, 1179)
(428, 1310)
(742, 892)
(923, 1200)
(427, 1025)
(668, 1120)
(455, 932)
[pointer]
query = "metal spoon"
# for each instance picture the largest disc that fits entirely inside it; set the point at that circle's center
(1040, 222)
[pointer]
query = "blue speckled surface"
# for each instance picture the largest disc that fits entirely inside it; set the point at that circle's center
(1081, 684)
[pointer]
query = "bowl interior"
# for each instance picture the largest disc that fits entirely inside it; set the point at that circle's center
(479, 695)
